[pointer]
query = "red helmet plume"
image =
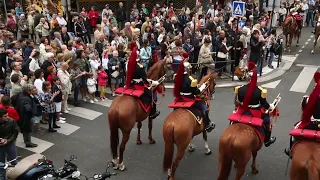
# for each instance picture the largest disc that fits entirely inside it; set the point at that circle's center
(132, 63)
(316, 77)
(312, 101)
(251, 86)
(178, 80)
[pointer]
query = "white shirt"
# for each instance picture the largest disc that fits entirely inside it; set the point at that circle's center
(61, 21)
(38, 85)
(34, 65)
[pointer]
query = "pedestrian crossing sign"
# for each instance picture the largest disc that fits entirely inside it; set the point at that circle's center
(238, 8)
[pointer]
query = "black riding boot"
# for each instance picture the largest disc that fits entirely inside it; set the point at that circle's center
(154, 112)
(268, 140)
(209, 125)
(314, 31)
(288, 150)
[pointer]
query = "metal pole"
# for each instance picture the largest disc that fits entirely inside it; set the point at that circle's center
(235, 53)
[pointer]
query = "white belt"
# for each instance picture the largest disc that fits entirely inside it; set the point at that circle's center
(254, 106)
(137, 80)
(185, 94)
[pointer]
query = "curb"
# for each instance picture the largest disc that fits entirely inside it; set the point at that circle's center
(283, 67)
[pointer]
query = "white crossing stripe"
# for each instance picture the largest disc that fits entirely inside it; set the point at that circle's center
(84, 113)
(65, 129)
(302, 82)
(42, 145)
(266, 69)
(272, 84)
(106, 102)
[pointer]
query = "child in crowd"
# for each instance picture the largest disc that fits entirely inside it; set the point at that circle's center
(5, 104)
(168, 57)
(47, 98)
(30, 78)
(91, 85)
(58, 99)
(38, 113)
(102, 82)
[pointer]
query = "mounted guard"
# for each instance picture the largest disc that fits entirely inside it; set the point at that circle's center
(295, 10)
(310, 118)
(186, 89)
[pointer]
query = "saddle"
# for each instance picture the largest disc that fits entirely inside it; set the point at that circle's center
(189, 106)
(306, 134)
(136, 93)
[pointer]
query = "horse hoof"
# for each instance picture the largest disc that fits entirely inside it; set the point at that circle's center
(235, 166)
(289, 51)
(139, 142)
(152, 141)
(312, 52)
(191, 149)
(169, 177)
(297, 45)
(208, 153)
(122, 167)
(255, 171)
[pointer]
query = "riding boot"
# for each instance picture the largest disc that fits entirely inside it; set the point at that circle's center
(154, 112)
(209, 125)
(314, 31)
(288, 150)
(268, 140)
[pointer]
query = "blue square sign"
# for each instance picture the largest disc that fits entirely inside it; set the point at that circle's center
(238, 8)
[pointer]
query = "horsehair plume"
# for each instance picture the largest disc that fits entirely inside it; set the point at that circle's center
(251, 86)
(316, 77)
(131, 65)
(178, 80)
(312, 101)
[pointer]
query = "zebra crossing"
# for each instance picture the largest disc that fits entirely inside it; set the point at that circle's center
(66, 128)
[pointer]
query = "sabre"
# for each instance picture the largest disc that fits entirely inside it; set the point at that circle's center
(275, 103)
(207, 85)
(160, 80)
(287, 166)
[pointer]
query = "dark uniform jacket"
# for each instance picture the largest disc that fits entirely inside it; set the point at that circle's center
(189, 85)
(258, 98)
(316, 113)
(139, 73)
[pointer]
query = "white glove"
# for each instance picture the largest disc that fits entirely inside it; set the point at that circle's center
(202, 87)
(271, 106)
(154, 83)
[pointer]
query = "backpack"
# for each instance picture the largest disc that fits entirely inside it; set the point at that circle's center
(25, 66)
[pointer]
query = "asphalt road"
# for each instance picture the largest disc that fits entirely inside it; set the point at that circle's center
(90, 142)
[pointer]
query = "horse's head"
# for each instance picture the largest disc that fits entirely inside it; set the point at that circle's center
(212, 83)
(157, 70)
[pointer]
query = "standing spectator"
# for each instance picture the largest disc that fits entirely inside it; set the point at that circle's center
(66, 84)
(58, 99)
(121, 16)
(113, 67)
(39, 79)
(91, 84)
(145, 55)
(26, 109)
(11, 24)
(256, 43)
(8, 133)
(43, 28)
(23, 26)
(76, 77)
(30, 19)
(93, 16)
(16, 85)
(28, 49)
(5, 104)
(102, 82)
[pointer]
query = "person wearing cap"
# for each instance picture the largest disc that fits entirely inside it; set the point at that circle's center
(186, 89)
(251, 99)
(137, 79)
(310, 106)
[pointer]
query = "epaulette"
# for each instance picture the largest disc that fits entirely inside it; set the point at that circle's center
(174, 76)
(264, 92)
(236, 89)
(194, 82)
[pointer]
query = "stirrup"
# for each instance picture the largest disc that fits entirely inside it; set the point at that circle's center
(287, 151)
(270, 141)
(210, 127)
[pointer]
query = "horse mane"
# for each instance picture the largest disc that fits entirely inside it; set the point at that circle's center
(287, 21)
(156, 71)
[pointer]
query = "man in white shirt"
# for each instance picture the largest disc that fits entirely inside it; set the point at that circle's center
(61, 20)
(211, 11)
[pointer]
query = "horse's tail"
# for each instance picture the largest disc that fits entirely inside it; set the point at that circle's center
(168, 136)
(113, 117)
(312, 168)
(225, 157)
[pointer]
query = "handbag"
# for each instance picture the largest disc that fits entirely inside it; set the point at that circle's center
(115, 74)
(221, 55)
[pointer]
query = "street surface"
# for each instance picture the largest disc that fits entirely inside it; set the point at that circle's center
(86, 133)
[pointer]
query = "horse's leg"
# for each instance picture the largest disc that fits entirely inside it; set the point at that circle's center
(205, 137)
(285, 47)
(290, 42)
(241, 160)
(298, 38)
(253, 166)
(125, 138)
(176, 162)
(191, 147)
(139, 125)
(315, 43)
(151, 140)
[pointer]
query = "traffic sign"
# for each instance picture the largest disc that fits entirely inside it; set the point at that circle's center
(238, 8)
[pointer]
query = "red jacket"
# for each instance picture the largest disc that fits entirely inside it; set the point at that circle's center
(11, 112)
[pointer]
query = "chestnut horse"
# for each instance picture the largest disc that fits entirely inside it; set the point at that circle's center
(180, 127)
(316, 35)
(124, 112)
(305, 161)
(237, 143)
(291, 30)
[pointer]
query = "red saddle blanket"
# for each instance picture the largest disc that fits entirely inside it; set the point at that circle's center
(129, 92)
(305, 134)
(184, 104)
(245, 119)
(298, 17)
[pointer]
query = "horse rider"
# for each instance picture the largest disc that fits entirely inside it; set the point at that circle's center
(310, 106)
(186, 89)
(252, 100)
(295, 10)
(137, 79)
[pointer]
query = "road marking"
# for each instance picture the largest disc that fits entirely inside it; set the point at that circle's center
(266, 69)
(307, 43)
(311, 36)
(302, 47)
(300, 50)
(271, 85)
(65, 129)
(309, 39)
(84, 113)
(302, 82)
(42, 145)
(307, 65)
(106, 103)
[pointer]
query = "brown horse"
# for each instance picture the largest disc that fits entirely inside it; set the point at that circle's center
(124, 112)
(316, 35)
(305, 161)
(291, 30)
(237, 143)
(179, 128)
